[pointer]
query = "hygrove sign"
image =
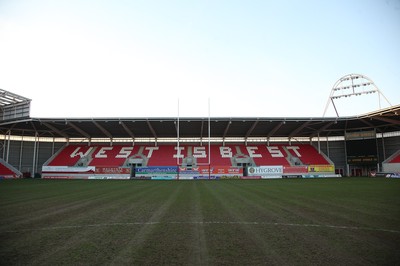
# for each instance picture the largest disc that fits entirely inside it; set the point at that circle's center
(266, 171)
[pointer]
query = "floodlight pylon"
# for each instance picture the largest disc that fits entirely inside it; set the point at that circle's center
(353, 85)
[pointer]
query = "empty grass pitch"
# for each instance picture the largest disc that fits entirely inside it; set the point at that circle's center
(352, 221)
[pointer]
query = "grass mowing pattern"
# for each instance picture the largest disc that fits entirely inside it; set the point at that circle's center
(273, 222)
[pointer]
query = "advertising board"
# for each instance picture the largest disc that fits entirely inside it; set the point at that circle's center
(295, 170)
(68, 169)
(59, 176)
(163, 178)
(206, 172)
(321, 176)
(216, 172)
(113, 170)
(250, 177)
(105, 177)
(273, 171)
(321, 168)
(164, 172)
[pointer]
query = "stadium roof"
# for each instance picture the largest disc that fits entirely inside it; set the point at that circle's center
(9, 98)
(384, 120)
(13, 106)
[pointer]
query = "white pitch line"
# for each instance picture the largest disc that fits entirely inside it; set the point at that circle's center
(203, 223)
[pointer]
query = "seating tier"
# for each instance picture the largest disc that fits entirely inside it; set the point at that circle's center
(5, 171)
(162, 155)
(396, 159)
(70, 155)
(265, 155)
(116, 155)
(307, 154)
(166, 155)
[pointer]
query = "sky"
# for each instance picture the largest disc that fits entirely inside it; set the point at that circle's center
(223, 58)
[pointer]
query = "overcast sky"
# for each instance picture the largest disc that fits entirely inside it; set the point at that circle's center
(250, 58)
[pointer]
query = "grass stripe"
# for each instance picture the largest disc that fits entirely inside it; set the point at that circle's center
(324, 221)
(201, 223)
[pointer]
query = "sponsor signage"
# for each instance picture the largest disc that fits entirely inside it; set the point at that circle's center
(295, 169)
(100, 177)
(360, 135)
(372, 159)
(113, 170)
(185, 177)
(271, 176)
(157, 170)
(292, 176)
(230, 177)
(321, 176)
(64, 177)
(266, 171)
(392, 175)
(205, 177)
(90, 172)
(220, 170)
(215, 172)
(250, 177)
(321, 168)
(162, 178)
(68, 169)
(161, 172)
(185, 174)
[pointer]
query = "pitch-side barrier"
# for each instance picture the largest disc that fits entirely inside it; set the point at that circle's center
(188, 173)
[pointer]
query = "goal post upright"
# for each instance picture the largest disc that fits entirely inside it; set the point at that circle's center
(209, 139)
(177, 140)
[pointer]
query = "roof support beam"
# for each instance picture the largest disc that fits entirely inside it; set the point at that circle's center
(176, 127)
(248, 133)
(8, 132)
(388, 120)
(59, 132)
(369, 124)
(80, 131)
(127, 130)
(276, 128)
(366, 122)
(226, 129)
(102, 129)
(201, 132)
(151, 129)
(297, 130)
(14, 123)
(321, 129)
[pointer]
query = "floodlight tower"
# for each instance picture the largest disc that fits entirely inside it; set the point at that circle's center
(353, 85)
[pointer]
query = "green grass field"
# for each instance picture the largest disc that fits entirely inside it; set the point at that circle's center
(345, 221)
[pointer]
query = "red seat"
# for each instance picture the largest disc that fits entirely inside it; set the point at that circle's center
(70, 155)
(308, 154)
(396, 159)
(166, 155)
(263, 156)
(162, 155)
(5, 171)
(112, 156)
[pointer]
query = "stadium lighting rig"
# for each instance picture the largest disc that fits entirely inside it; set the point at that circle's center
(13, 106)
(353, 85)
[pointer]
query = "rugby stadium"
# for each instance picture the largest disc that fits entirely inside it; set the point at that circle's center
(199, 190)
